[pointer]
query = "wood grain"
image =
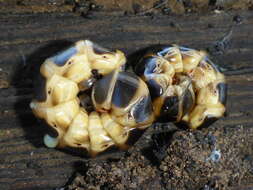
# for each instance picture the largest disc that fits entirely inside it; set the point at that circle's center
(26, 40)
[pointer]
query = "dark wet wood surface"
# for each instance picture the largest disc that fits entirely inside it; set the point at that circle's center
(26, 40)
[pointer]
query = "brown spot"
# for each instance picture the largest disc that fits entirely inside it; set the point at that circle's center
(96, 74)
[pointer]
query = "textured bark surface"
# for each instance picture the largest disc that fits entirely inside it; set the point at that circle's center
(26, 40)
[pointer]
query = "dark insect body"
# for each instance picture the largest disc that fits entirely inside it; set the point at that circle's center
(91, 103)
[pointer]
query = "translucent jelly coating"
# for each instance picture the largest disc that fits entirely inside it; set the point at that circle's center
(111, 124)
(186, 87)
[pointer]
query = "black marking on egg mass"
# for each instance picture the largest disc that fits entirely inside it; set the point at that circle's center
(102, 87)
(188, 102)
(159, 50)
(222, 88)
(62, 58)
(164, 50)
(170, 109)
(150, 65)
(141, 66)
(154, 88)
(40, 88)
(143, 110)
(138, 59)
(86, 84)
(96, 74)
(86, 101)
(125, 89)
(47, 129)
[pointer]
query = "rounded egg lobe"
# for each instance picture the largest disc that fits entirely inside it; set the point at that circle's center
(88, 101)
(177, 86)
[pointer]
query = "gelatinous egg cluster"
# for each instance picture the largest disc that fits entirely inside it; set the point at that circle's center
(92, 103)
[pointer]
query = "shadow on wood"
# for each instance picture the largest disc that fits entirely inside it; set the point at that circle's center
(28, 73)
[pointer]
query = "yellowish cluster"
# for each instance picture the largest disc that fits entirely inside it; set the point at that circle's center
(203, 77)
(184, 74)
(61, 109)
